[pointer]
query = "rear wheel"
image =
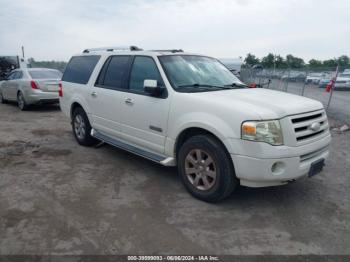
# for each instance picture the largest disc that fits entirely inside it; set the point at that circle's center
(206, 168)
(2, 99)
(82, 128)
(21, 101)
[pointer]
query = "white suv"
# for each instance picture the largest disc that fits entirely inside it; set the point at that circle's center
(189, 110)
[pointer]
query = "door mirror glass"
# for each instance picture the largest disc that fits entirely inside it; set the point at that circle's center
(151, 87)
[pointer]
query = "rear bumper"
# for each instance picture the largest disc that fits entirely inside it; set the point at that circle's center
(262, 172)
(39, 97)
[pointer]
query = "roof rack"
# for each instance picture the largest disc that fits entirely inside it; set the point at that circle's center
(170, 50)
(110, 49)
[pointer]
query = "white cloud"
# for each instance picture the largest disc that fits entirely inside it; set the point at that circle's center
(221, 28)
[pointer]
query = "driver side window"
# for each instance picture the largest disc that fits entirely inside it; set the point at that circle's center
(143, 68)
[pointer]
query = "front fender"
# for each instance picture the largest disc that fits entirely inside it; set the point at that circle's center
(209, 122)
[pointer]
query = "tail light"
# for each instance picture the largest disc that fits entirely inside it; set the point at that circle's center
(34, 85)
(60, 90)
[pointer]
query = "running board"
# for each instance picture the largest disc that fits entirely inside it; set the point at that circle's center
(163, 160)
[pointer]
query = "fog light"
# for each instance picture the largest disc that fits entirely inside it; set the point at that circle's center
(278, 168)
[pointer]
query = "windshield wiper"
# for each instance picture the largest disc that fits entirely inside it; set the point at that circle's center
(196, 85)
(236, 85)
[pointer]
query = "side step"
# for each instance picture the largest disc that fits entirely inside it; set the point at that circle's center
(163, 160)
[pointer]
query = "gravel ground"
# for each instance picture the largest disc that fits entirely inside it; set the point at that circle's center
(57, 197)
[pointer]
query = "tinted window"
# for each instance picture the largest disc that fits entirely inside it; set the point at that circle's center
(19, 75)
(11, 76)
(143, 68)
(45, 74)
(114, 72)
(79, 69)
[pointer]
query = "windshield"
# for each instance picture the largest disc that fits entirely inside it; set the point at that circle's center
(197, 72)
(45, 74)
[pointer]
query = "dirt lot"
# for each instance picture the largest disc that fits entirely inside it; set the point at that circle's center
(60, 198)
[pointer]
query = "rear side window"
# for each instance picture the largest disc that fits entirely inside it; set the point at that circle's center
(45, 74)
(79, 69)
(114, 72)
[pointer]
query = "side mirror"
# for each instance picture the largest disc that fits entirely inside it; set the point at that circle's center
(151, 87)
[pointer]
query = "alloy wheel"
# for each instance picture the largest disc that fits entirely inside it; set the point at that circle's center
(200, 169)
(79, 127)
(20, 101)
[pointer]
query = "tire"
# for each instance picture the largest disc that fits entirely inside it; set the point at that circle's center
(22, 105)
(81, 128)
(2, 100)
(213, 179)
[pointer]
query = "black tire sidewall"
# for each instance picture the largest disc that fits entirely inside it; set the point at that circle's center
(226, 180)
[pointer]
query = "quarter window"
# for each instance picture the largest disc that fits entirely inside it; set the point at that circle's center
(143, 68)
(80, 68)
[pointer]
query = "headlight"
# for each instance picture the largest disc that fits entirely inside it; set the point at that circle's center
(263, 131)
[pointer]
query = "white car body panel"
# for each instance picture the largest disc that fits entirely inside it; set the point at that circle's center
(219, 112)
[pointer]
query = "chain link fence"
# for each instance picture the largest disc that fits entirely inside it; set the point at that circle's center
(308, 83)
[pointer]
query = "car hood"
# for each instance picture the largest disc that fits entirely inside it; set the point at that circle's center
(259, 102)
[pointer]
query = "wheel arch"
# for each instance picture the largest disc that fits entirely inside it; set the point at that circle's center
(189, 132)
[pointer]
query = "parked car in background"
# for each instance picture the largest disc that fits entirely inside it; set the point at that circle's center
(314, 78)
(294, 77)
(187, 110)
(324, 81)
(31, 86)
(342, 82)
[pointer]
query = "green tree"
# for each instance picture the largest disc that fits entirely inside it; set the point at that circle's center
(315, 63)
(330, 63)
(251, 60)
(268, 61)
(295, 62)
(280, 62)
(343, 60)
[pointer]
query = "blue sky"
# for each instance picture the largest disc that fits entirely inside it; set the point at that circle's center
(222, 28)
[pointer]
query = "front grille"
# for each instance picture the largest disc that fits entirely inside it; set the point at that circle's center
(309, 125)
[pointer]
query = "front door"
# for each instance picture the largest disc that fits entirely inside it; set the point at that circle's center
(144, 117)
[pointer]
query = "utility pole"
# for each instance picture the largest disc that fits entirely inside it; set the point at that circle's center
(22, 51)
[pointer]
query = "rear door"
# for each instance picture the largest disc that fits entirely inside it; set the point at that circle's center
(105, 99)
(144, 117)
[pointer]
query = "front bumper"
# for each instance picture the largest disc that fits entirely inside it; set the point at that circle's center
(262, 172)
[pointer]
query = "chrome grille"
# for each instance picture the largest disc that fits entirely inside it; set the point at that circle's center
(309, 125)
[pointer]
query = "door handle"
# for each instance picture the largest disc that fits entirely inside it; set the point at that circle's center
(94, 94)
(129, 101)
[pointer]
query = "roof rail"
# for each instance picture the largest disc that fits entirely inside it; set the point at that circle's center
(170, 50)
(110, 49)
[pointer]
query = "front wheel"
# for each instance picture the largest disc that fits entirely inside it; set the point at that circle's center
(206, 168)
(82, 128)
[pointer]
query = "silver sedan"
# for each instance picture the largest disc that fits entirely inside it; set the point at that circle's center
(31, 86)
